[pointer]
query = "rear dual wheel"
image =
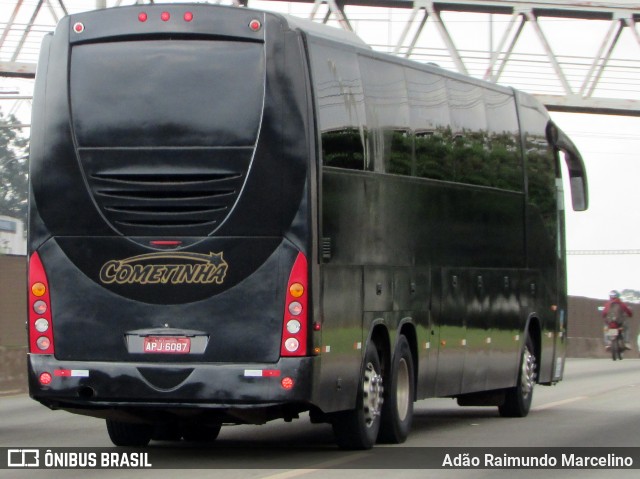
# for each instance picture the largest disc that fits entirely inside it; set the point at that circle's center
(358, 428)
(397, 409)
(126, 434)
(384, 407)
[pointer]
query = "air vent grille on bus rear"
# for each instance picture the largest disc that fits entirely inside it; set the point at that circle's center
(139, 195)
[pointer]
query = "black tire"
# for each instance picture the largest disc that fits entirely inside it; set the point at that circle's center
(201, 433)
(128, 434)
(621, 347)
(517, 402)
(399, 387)
(358, 428)
(615, 349)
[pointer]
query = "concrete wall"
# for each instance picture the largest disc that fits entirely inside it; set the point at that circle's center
(584, 326)
(13, 316)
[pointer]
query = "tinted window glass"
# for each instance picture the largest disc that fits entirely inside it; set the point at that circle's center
(541, 168)
(503, 141)
(431, 122)
(167, 93)
(340, 106)
(387, 107)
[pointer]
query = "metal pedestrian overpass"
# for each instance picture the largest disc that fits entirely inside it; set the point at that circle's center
(575, 55)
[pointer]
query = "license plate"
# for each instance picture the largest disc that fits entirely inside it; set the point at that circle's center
(167, 345)
(612, 333)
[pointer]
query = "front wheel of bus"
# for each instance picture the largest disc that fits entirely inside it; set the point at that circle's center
(397, 410)
(358, 428)
(128, 434)
(518, 399)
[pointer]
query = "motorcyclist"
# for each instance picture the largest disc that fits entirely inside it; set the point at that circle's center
(616, 310)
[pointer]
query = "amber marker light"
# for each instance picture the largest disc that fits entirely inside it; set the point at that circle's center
(296, 290)
(38, 289)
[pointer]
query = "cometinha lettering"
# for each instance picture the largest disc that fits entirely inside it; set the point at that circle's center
(166, 268)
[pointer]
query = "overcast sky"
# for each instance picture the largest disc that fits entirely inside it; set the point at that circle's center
(610, 146)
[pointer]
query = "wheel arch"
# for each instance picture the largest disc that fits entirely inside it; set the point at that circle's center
(408, 330)
(381, 339)
(533, 329)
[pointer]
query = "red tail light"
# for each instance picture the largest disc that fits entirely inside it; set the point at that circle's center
(40, 326)
(294, 328)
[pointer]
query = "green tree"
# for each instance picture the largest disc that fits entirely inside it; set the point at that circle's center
(14, 169)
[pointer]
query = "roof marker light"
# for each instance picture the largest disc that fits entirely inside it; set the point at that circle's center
(255, 25)
(142, 17)
(78, 27)
(165, 16)
(188, 16)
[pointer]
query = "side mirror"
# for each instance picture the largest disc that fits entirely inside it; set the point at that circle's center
(577, 171)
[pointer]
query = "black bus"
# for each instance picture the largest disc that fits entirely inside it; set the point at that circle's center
(238, 216)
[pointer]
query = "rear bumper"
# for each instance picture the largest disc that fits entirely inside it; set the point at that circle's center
(85, 386)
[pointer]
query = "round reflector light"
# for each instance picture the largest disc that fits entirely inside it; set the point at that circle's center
(291, 345)
(41, 325)
(45, 379)
(295, 308)
(287, 383)
(78, 27)
(296, 290)
(188, 16)
(255, 25)
(43, 343)
(40, 307)
(165, 16)
(293, 326)
(38, 289)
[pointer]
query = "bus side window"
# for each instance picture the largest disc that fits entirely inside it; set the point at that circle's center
(390, 138)
(340, 105)
(430, 120)
(503, 141)
(343, 149)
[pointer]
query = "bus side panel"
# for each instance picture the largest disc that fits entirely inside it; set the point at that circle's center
(506, 324)
(341, 305)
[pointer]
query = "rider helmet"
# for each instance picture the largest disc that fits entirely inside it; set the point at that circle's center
(613, 294)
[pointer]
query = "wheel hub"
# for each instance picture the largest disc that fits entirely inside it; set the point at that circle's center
(528, 376)
(372, 394)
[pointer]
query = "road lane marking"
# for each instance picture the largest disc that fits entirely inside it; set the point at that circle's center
(316, 467)
(550, 405)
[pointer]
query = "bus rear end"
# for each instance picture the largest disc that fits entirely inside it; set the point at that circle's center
(169, 217)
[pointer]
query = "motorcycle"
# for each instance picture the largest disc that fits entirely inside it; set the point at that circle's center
(616, 340)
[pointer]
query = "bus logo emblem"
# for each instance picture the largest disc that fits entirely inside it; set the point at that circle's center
(166, 268)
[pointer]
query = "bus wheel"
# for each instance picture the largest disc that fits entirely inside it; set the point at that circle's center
(128, 434)
(517, 400)
(397, 410)
(201, 433)
(358, 428)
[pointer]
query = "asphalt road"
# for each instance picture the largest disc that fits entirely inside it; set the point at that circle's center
(595, 406)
